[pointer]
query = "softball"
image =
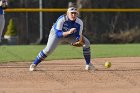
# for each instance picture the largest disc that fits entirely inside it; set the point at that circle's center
(107, 64)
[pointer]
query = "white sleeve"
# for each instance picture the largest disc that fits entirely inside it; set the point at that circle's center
(59, 23)
(81, 26)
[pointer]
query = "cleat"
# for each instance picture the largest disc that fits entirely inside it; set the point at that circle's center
(32, 67)
(90, 67)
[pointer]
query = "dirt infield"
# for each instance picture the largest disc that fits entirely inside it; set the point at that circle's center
(69, 76)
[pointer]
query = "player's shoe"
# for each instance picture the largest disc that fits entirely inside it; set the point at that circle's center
(32, 67)
(89, 67)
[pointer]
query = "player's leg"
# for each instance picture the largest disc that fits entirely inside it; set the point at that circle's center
(50, 47)
(2, 22)
(87, 54)
(86, 50)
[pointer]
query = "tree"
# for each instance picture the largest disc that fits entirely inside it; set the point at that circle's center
(11, 29)
(11, 33)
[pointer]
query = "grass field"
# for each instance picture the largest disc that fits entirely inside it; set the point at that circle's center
(29, 52)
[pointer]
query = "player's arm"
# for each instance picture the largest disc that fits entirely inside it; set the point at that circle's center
(71, 31)
(60, 33)
(58, 28)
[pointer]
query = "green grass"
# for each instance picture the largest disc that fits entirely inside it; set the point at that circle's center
(117, 50)
(29, 52)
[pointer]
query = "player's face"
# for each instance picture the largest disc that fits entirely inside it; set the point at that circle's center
(72, 15)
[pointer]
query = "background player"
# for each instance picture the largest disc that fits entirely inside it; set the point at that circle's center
(3, 5)
(68, 28)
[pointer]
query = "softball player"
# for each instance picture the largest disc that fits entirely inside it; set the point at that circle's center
(3, 5)
(67, 28)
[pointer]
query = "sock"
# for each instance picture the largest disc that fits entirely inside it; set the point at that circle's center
(41, 56)
(86, 53)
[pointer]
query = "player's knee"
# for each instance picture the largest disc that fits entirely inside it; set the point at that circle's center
(47, 52)
(87, 44)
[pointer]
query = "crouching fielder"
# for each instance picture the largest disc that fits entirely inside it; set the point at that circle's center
(67, 28)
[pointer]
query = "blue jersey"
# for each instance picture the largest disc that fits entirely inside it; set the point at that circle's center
(1, 10)
(63, 24)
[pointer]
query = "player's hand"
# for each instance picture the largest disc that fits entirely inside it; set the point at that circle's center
(79, 43)
(72, 30)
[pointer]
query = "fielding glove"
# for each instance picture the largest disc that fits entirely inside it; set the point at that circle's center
(79, 43)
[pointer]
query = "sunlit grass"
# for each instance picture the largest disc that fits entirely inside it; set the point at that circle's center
(29, 52)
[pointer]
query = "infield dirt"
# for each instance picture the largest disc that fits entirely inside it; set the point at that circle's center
(69, 76)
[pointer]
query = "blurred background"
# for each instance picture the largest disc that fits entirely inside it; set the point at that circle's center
(99, 27)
